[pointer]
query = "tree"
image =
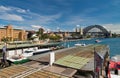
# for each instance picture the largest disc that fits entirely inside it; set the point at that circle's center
(44, 36)
(5, 39)
(114, 35)
(54, 37)
(30, 35)
(40, 33)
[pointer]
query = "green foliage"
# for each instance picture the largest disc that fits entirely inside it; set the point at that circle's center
(88, 36)
(73, 35)
(114, 35)
(54, 37)
(5, 39)
(44, 36)
(41, 35)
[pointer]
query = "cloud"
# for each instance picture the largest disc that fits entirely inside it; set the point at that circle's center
(21, 10)
(36, 26)
(22, 17)
(43, 20)
(12, 13)
(11, 17)
(3, 9)
(114, 28)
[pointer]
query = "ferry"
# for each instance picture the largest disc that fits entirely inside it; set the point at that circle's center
(27, 53)
(39, 51)
(80, 44)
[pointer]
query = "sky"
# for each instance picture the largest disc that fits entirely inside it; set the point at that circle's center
(65, 15)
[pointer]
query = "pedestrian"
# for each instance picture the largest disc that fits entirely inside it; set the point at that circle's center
(4, 53)
(107, 69)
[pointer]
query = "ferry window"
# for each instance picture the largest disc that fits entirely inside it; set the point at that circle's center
(28, 51)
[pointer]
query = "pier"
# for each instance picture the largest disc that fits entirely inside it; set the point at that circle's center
(68, 63)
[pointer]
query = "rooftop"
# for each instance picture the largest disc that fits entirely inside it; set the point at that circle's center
(75, 57)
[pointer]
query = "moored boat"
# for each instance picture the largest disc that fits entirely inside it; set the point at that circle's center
(114, 66)
(97, 41)
(80, 44)
(27, 53)
(115, 62)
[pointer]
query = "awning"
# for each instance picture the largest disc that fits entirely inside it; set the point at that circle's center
(114, 65)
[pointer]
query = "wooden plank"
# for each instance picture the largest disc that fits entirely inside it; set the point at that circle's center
(4, 75)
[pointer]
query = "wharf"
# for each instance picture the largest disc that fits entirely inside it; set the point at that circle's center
(78, 58)
(21, 46)
(69, 63)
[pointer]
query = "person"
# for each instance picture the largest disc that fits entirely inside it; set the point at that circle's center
(4, 53)
(107, 69)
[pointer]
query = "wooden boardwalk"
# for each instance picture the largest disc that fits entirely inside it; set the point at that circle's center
(73, 57)
(13, 71)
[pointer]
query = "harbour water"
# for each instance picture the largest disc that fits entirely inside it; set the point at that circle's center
(113, 43)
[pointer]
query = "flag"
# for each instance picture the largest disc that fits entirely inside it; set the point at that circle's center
(98, 59)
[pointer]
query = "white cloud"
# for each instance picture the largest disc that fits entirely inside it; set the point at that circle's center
(114, 28)
(3, 9)
(17, 14)
(36, 26)
(12, 9)
(21, 10)
(11, 13)
(43, 20)
(11, 17)
(78, 25)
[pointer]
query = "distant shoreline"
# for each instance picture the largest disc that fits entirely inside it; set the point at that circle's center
(75, 40)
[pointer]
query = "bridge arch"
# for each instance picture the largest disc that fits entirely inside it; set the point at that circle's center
(104, 31)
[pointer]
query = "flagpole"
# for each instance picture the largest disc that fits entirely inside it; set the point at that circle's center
(94, 65)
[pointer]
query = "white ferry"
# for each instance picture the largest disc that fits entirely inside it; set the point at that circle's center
(27, 53)
(80, 44)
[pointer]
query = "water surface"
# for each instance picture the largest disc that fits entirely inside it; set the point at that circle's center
(113, 43)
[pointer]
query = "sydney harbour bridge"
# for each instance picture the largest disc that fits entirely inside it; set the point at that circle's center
(96, 31)
(92, 31)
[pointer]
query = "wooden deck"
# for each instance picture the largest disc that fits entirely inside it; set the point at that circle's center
(78, 54)
(13, 71)
(45, 74)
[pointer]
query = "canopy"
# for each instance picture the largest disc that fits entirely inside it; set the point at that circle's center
(114, 65)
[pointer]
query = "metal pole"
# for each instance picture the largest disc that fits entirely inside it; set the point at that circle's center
(94, 65)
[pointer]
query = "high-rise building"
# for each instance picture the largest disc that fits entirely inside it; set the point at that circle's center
(77, 29)
(12, 34)
(81, 31)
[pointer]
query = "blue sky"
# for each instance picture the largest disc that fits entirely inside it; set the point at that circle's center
(63, 14)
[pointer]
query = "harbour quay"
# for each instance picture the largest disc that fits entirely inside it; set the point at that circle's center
(23, 46)
(74, 62)
(20, 48)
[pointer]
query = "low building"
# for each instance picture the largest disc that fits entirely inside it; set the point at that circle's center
(12, 34)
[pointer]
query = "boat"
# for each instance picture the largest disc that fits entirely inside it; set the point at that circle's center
(115, 62)
(97, 41)
(26, 54)
(80, 44)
